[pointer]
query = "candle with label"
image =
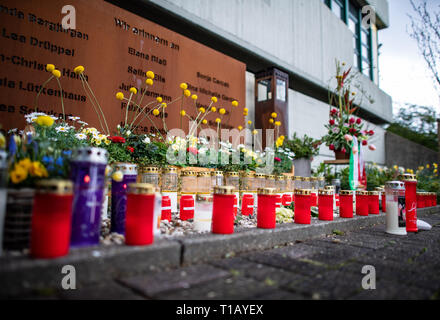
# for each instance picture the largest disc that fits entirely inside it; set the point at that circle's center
(410, 181)
(395, 215)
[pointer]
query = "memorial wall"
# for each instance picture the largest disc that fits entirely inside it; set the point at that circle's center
(116, 48)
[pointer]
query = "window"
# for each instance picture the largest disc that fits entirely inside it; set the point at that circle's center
(281, 90)
(354, 26)
(264, 90)
(337, 7)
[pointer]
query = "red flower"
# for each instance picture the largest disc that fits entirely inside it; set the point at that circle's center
(352, 120)
(131, 149)
(332, 147)
(332, 122)
(117, 139)
(364, 143)
(192, 150)
(371, 133)
(277, 159)
(358, 121)
(343, 150)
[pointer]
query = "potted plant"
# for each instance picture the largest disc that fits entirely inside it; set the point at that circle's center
(303, 149)
(343, 125)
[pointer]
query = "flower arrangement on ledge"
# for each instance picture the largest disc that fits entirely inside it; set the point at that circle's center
(343, 126)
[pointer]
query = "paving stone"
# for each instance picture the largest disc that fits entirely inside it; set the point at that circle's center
(230, 288)
(391, 290)
(106, 291)
(153, 284)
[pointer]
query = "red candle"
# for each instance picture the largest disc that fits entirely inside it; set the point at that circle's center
(140, 221)
(223, 210)
(410, 201)
(267, 203)
(303, 214)
(362, 203)
(346, 204)
(419, 197)
(325, 205)
(373, 202)
(384, 202)
(166, 208)
(278, 201)
(186, 207)
(51, 219)
(286, 200)
(235, 205)
(247, 205)
(314, 199)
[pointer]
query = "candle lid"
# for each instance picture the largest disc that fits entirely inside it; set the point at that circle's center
(126, 168)
(408, 177)
(232, 174)
(3, 159)
(149, 170)
(280, 178)
(141, 188)
(266, 191)
(297, 178)
(217, 173)
(361, 193)
(226, 190)
(327, 192)
(260, 175)
(270, 176)
(305, 178)
(346, 192)
(304, 192)
(90, 154)
(169, 170)
(398, 185)
(314, 179)
(187, 173)
(329, 187)
(248, 174)
(54, 186)
(373, 193)
(204, 197)
(204, 174)
(321, 178)
(379, 189)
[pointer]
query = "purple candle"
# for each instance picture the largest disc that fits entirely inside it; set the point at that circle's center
(119, 195)
(88, 176)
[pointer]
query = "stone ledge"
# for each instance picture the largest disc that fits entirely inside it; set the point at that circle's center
(21, 275)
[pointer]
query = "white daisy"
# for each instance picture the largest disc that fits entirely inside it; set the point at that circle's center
(146, 140)
(81, 136)
(62, 129)
(74, 118)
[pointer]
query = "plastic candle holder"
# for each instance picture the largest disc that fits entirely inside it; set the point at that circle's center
(395, 216)
(266, 214)
(203, 213)
(140, 222)
(169, 186)
(186, 207)
(51, 219)
(325, 205)
(314, 198)
(247, 205)
(419, 198)
(278, 200)
(119, 195)
(362, 203)
(410, 181)
(166, 208)
(88, 175)
(303, 214)
(149, 175)
(286, 200)
(217, 179)
(223, 210)
(346, 204)
(373, 202)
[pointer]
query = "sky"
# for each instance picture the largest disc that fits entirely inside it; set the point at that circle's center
(404, 74)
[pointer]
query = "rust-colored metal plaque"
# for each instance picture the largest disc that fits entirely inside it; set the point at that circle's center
(116, 48)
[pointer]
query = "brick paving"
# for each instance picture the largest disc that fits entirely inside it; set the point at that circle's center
(328, 267)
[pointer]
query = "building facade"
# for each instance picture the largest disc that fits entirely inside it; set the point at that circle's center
(303, 38)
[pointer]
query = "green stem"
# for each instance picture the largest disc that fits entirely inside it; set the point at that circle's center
(62, 102)
(41, 89)
(93, 104)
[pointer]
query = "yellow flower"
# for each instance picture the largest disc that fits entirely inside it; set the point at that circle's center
(156, 112)
(278, 123)
(202, 110)
(183, 113)
(133, 90)
(38, 170)
(205, 121)
(159, 99)
(249, 122)
(214, 99)
(79, 70)
(56, 73)
(183, 86)
(164, 105)
(44, 121)
(282, 137)
(435, 165)
(18, 174)
(150, 75)
(428, 166)
(149, 82)
(245, 110)
(26, 164)
(222, 111)
(245, 113)
(120, 96)
(117, 176)
(218, 120)
(271, 121)
(240, 128)
(50, 67)
(194, 97)
(213, 109)
(255, 132)
(106, 141)
(186, 93)
(2, 141)
(234, 103)
(395, 167)
(274, 115)
(435, 170)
